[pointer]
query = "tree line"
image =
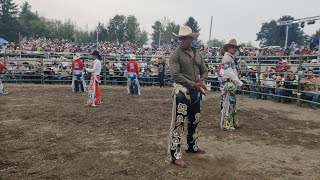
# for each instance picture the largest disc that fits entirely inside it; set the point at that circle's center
(15, 20)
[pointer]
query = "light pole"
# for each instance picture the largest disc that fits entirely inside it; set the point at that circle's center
(209, 43)
(309, 20)
(160, 39)
(97, 38)
(287, 34)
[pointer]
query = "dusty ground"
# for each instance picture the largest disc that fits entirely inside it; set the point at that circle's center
(46, 133)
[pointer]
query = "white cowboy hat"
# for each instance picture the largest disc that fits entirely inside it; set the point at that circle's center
(284, 61)
(186, 31)
(132, 57)
(77, 56)
(314, 61)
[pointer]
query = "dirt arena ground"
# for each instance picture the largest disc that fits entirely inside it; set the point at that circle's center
(46, 133)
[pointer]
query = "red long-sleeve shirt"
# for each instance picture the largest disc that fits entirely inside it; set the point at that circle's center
(132, 67)
(77, 65)
(1, 67)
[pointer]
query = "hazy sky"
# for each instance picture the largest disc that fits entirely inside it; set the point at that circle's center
(240, 19)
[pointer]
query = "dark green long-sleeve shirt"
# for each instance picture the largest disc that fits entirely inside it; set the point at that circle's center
(185, 70)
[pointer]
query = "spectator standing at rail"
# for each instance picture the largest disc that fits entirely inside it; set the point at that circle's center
(289, 85)
(78, 74)
(279, 86)
(94, 97)
(311, 86)
(162, 72)
(2, 71)
(186, 66)
(279, 66)
(285, 65)
(252, 76)
(231, 81)
(133, 85)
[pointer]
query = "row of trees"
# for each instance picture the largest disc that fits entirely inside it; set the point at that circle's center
(120, 28)
(15, 20)
(272, 35)
(163, 29)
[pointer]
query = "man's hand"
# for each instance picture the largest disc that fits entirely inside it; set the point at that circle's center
(84, 68)
(203, 84)
(198, 87)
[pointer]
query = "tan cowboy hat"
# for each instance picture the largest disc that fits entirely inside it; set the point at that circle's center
(186, 31)
(231, 43)
(77, 56)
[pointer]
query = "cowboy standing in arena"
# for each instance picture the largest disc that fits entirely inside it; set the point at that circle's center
(2, 71)
(189, 72)
(94, 98)
(133, 74)
(230, 83)
(77, 74)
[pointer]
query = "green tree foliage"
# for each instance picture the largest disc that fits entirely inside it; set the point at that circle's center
(9, 25)
(102, 32)
(132, 31)
(172, 27)
(144, 37)
(157, 30)
(62, 30)
(193, 24)
(28, 20)
(28, 23)
(216, 43)
(273, 35)
(117, 28)
(247, 45)
(166, 28)
(83, 36)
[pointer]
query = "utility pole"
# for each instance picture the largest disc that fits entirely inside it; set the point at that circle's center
(97, 38)
(160, 39)
(287, 34)
(209, 42)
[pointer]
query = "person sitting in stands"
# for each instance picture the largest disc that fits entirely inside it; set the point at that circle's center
(267, 86)
(279, 87)
(311, 86)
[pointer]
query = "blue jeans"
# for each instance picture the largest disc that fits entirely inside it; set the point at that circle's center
(315, 97)
(252, 89)
(278, 92)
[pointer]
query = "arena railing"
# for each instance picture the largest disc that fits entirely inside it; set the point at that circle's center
(44, 71)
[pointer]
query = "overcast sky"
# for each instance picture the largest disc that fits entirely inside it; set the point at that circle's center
(240, 19)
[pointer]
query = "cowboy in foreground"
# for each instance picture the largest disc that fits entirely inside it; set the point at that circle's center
(230, 83)
(2, 70)
(133, 85)
(189, 73)
(77, 74)
(94, 89)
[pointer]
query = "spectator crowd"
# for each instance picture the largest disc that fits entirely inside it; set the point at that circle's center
(277, 78)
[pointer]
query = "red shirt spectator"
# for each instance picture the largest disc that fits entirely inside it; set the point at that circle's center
(1, 67)
(285, 65)
(132, 67)
(77, 65)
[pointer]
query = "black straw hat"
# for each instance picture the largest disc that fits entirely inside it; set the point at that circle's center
(96, 53)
